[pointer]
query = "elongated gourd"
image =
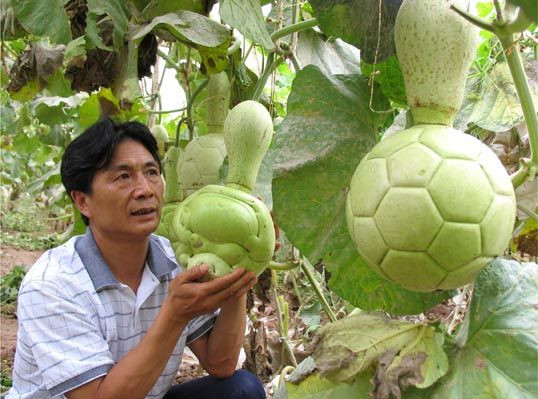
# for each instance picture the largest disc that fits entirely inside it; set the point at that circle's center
(430, 206)
(173, 195)
(225, 226)
(204, 155)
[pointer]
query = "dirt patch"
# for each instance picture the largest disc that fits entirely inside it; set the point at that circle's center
(10, 257)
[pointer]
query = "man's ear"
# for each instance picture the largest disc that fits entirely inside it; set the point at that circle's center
(80, 201)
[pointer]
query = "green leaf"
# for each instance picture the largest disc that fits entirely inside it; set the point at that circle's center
(530, 7)
(328, 129)
(118, 11)
(44, 18)
(246, 16)
(498, 360)
(188, 27)
(7, 120)
(210, 38)
(316, 387)
(155, 8)
(404, 353)
(92, 35)
(357, 23)
(390, 78)
(497, 108)
(331, 56)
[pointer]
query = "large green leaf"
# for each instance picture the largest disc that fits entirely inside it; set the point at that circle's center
(118, 11)
(154, 8)
(332, 56)
(530, 7)
(44, 18)
(357, 22)
(187, 27)
(246, 16)
(496, 107)
(499, 359)
(404, 353)
(328, 129)
(210, 38)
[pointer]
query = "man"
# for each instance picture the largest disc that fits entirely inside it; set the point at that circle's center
(108, 314)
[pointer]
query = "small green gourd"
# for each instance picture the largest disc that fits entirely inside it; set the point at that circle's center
(161, 136)
(225, 226)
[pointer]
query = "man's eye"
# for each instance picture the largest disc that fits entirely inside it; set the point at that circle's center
(153, 172)
(123, 176)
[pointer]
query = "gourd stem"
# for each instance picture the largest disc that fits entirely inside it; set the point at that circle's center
(280, 266)
(169, 111)
(293, 28)
(190, 102)
(474, 20)
(513, 58)
(258, 90)
(283, 322)
(168, 60)
(306, 268)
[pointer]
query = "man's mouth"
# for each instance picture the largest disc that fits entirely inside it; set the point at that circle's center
(143, 211)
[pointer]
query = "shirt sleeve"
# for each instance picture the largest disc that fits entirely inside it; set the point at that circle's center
(199, 326)
(62, 332)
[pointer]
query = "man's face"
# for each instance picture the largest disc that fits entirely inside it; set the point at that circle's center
(126, 196)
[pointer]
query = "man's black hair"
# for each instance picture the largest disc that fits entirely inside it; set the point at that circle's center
(94, 148)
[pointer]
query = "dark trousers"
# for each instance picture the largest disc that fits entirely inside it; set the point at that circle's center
(241, 385)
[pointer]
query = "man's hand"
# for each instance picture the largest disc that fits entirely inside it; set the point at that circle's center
(188, 298)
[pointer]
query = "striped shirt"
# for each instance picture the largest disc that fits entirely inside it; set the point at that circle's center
(76, 320)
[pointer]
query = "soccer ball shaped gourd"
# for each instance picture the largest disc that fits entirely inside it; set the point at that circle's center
(225, 226)
(201, 161)
(430, 206)
(203, 156)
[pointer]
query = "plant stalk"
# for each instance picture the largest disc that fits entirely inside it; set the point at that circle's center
(267, 70)
(513, 58)
(306, 267)
(168, 60)
(293, 28)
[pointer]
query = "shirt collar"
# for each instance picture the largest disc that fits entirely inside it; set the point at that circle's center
(101, 275)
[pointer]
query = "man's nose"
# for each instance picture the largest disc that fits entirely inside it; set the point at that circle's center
(143, 187)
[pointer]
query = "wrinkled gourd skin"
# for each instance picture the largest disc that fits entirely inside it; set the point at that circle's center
(429, 207)
(225, 227)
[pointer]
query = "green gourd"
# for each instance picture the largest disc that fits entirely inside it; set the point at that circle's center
(204, 155)
(225, 226)
(161, 136)
(173, 195)
(430, 206)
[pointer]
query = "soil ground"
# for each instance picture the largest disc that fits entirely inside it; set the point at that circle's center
(10, 257)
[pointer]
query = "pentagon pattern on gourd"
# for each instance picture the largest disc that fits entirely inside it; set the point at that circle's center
(203, 156)
(441, 208)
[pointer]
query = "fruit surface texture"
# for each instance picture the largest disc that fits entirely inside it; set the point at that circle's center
(429, 207)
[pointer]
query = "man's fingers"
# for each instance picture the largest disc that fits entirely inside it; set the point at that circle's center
(194, 273)
(236, 289)
(221, 283)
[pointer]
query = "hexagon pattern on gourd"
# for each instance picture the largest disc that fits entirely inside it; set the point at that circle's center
(429, 207)
(201, 162)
